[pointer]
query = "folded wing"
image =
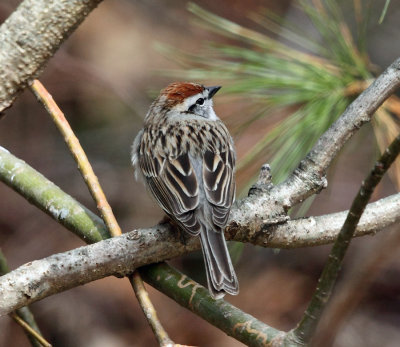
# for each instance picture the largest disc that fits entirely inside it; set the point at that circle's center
(174, 184)
(219, 184)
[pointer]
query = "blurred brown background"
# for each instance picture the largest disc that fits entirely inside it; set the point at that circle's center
(104, 78)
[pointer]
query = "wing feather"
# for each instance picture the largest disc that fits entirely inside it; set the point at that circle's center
(174, 184)
(219, 183)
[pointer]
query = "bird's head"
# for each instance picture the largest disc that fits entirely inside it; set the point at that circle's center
(185, 99)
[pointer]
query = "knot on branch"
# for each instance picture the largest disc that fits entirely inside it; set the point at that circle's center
(264, 181)
(308, 174)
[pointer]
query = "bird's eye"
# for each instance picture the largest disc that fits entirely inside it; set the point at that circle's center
(200, 101)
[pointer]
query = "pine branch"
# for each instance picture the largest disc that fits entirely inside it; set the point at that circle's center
(309, 178)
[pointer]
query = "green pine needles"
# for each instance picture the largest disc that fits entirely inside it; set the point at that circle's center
(309, 78)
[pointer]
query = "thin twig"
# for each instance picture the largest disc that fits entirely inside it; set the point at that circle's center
(27, 316)
(305, 330)
(24, 314)
(148, 310)
(355, 285)
(30, 330)
(98, 195)
(79, 155)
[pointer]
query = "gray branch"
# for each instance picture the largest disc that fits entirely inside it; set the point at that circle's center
(31, 36)
(322, 230)
(121, 255)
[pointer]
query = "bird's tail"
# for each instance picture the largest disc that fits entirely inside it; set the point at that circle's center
(221, 276)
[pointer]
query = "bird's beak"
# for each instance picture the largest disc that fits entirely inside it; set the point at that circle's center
(212, 91)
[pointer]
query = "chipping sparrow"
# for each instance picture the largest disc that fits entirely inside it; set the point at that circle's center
(187, 158)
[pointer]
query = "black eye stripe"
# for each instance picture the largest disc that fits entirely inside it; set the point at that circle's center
(199, 101)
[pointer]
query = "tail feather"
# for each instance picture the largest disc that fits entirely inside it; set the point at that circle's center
(221, 276)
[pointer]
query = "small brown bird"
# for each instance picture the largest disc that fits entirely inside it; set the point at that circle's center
(187, 158)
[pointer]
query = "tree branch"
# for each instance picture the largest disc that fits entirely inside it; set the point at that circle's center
(309, 177)
(321, 230)
(356, 285)
(305, 330)
(219, 313)
(148, 309)
(79, 155)
(31, 36)
(45, 195)
(121, 255)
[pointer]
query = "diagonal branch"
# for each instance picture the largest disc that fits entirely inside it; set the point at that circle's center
(309, 177)
(31, 36)
(223, 315)
(355, 286)
(48, 197)
(30, 331)
(305, 330)
(103, 206)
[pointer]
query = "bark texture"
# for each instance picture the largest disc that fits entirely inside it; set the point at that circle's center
(31, 36)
